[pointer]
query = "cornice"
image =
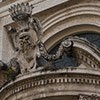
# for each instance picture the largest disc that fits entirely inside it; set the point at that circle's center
(38, 5)
(70, 17)
(66, 77)
(80, 9)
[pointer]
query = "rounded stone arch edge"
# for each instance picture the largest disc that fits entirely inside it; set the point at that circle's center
(76, 15)
(50, 41)
(71, 12)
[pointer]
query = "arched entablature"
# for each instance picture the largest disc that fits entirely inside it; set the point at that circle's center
(71, 12)
(83, 23)
(74, 30)
(73, 19)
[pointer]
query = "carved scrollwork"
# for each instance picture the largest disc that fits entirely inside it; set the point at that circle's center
(65, 46)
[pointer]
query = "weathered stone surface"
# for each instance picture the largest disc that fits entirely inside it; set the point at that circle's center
(59, 19)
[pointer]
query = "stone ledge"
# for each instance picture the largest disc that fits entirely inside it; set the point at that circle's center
(70, 78)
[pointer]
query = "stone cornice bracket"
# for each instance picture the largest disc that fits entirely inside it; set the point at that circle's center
(21, 11)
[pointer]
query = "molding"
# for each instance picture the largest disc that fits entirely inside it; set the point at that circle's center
(50, 82)
(87, 47)
(87, 59)
(76, 15)
(38, 5)
(80, 9)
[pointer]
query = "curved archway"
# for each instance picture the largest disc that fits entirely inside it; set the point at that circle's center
(71, 20)
(74, 30)
(71, 12)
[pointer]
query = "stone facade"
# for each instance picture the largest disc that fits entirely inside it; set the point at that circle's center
(51, 23)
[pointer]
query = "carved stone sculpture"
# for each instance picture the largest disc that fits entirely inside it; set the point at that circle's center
(28, 34)
(28, 46)
(20, 11)
(28, 39)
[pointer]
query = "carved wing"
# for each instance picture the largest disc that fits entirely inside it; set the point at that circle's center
(35, 24)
